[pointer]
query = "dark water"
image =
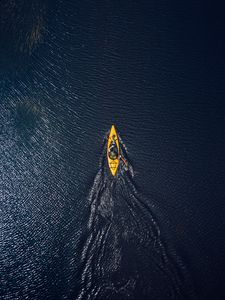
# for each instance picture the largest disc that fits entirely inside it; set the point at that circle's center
(68, 71)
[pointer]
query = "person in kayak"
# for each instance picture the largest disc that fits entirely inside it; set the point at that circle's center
(113, 150)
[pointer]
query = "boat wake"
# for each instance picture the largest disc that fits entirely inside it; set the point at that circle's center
(123, 255)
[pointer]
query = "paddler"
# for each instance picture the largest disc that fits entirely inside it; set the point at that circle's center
(113, 150)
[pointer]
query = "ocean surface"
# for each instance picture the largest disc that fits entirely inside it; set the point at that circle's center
(68, 71)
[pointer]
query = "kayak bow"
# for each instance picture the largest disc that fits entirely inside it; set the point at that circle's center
(113, 138)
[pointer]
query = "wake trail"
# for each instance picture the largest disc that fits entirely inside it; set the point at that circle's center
(123, 254)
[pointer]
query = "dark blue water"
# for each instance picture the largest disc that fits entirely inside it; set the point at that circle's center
(71, 69)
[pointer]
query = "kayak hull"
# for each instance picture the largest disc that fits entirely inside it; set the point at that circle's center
(113, 164)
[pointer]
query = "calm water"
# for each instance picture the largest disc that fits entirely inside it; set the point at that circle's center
(70, 69)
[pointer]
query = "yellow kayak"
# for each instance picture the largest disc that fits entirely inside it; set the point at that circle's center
(113, 151)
